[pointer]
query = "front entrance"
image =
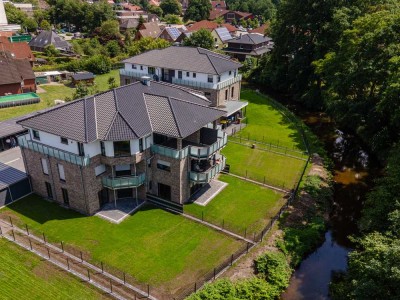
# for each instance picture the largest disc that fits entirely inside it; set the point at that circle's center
(103, 197)
(124, 193)
(164, 191)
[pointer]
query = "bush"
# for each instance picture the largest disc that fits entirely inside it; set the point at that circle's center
(274, 267)
(98, 64)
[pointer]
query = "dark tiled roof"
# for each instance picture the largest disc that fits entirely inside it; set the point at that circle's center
(10, 176)
(129, 23)
(251, 39)
(46, 38)
(128, 112)
(14, 70)
(24, 68)
(83, 76)
(187, 59)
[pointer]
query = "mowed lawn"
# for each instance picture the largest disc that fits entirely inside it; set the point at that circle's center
(241, 205)
(24, 275)
(155, 247)
(278, 170)
(52, 93)
(265, 123)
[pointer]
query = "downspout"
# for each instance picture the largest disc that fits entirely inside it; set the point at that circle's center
(84, 191)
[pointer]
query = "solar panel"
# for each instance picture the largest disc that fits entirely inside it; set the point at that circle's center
(174, 32)
(223, 33)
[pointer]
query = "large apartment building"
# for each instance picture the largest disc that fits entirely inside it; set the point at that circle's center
(214, 74)
(145, 138)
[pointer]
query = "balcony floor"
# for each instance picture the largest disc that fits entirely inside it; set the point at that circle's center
(124, 208)
(208, 192)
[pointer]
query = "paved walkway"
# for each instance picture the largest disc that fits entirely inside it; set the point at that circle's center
(93, 275)
(124, 208)
(233, 128)
(208, 192)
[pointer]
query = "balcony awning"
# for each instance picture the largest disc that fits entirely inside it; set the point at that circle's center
(233, 106)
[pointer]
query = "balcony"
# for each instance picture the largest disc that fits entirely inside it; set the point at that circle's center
(116, 183)
(194, 84)
(54, 152)
(134, 74)
(202, 152)
(228, 82)
(206, 176)
(170, 152)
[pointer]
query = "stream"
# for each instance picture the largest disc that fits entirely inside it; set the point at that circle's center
(354, 170)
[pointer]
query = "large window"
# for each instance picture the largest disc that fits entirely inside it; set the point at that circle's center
(45, 168)
(65, 196)
(152, 70)
(210, 78)
(123, 170)
(61, 172)
(36, 134)
(49, 190)
(81, 150)
(134, 67)
(232, 91)
(164, 191)
(102, 149)
(180, 74)
(163, 165)
(122, 148)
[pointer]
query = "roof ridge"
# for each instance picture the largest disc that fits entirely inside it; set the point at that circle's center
(111, 123)
(95, 116)
(127, 123)
(210, 61)
(173, 114)
(147, 110)
(197, 104)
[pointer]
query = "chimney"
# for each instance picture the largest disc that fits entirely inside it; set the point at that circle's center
(145, 80)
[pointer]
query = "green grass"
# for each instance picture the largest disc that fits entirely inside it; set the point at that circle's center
(54, 92)
(278, 170)
(24, 275)
(241, 205)
(265, 123)
(155, 247)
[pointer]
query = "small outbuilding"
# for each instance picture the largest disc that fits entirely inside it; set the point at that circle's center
(85, 77)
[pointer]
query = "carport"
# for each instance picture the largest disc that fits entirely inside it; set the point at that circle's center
(14, 184)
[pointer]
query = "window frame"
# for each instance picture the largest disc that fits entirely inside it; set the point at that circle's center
(180, 75)
(64, 140)
(194, 75)
(210, 77)
(124, 152)
(36, 134)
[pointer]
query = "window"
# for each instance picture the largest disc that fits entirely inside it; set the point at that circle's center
(64, 140)
(45, 168)
(234, 74)
(141, 68)
(226, 94)
(180, 74)
(140, 145)
(152, 70)
(36, 135)
(65, 196)
(210, 78)
(230, 73)
(61, 172)
(232, 91)
(187, 74)
(163, 165)
(49, 190)
(219, 78)
(149, 162)
(122, 148)
(215, 40)
(134, 67)
(194, 75)
(150, 185)
(127, 81)
(164, 191)
(102, 149)
(81, 150)
(123, 170)
(100, 169)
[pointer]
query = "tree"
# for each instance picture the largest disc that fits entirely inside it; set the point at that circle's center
(50, 51)
(14, 15)
(30, 24)
(113, 48)
(201, 38)
(112, 84)
(171, 7)
(198, 10)
(98, 64)
(172, 19)
(109, 30)
(146, 44)
(156, 10)
(45, 25)
(80, 91)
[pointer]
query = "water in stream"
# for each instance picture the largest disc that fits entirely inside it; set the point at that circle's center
(353, 170)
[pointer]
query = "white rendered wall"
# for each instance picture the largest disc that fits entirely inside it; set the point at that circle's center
(3, 17)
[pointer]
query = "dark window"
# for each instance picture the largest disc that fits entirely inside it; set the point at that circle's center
(187, 74)
(226, 94)
(65, 196)
(194, 75)
(180, 74)
(36, 134)
(163, 167)
(210, 78)
(127, 81)
(150, 185)
(102, 149)
(152, 70)
(230, 72)
(123, 170)
(134, 67)
(164, 191)
(141, 145)
(122, 148)
(81, 150)
(124, 193)
(232, 91)
(219, 78)
(64, 140)
(49, 190)
(141, 68)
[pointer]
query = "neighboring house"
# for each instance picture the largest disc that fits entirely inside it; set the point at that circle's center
(203, 24)
(147, 139)
(260, 30)
(184, 35)
(151, 29)
(83, 77)
(18, 50)
(229, 16)
(216, 75)
(27, 8)
(128, 24)
(221, 35)
(219, 5)
(249, 45)
(5, 28)
(47, 38)
(155, 2)
(16, 76)
(130, 7)
(170, 34)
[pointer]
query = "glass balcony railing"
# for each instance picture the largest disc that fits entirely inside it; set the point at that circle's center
(206, 176)
(228, 82)
(137, 75)
(195, 84)
(169, 152)
(115, 183)
(205, 151)
(53, 152)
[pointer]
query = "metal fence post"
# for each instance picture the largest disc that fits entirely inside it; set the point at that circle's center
(195, 287)
(68, 263)
(62, 247)
(1, 231)
(44, 239)
(30, 243)
(12, 231)
(124, 278)
(214, 273)
(111, 287)
(81, 257)
(48, 252)
(102, 267)
(27, 230)
(88, 274)
(148, 290)
(11, 223)
(231, 259)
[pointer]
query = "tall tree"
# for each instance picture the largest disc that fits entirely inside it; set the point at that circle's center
(171, 7)
(201, 38)
(198, 10)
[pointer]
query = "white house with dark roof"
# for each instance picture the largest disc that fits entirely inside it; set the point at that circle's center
(144, 140)
(216, 75)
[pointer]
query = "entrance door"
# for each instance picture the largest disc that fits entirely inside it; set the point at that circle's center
(103, 197)
(124, 193)
(164, 191)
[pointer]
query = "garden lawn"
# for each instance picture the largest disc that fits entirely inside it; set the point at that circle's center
(267, 123)
(278, 170)
(241, 205)
(24, 275)
(162, 249)
(53, 92)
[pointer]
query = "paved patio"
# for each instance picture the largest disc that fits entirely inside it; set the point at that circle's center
(124, 208)
(233, 128)
(208, 192)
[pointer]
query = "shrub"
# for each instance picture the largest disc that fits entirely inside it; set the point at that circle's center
(274, 267)
(98, 64)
